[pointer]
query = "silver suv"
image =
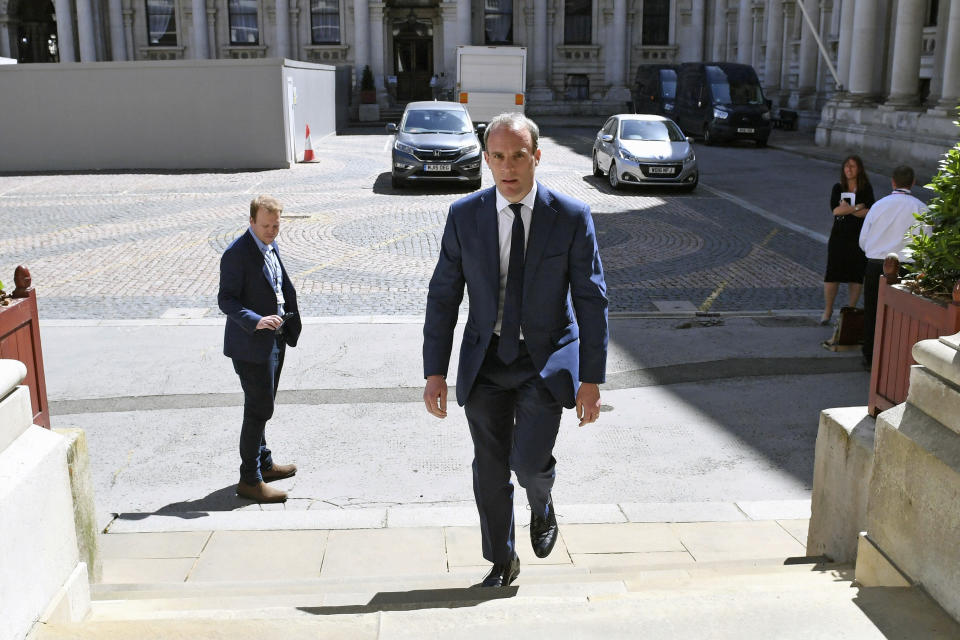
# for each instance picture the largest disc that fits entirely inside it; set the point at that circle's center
(435, 141)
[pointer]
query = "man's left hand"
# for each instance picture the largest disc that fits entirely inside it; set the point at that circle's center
(588, 403)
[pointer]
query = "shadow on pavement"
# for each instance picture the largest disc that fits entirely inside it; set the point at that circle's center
(383, 186)
(419, 599)
(225, 499)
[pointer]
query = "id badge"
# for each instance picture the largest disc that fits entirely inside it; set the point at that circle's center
(280, 297)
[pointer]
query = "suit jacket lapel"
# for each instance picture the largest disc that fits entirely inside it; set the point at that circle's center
(489, 234)
(541, 224)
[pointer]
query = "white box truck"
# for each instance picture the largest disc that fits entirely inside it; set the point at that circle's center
(491, 80)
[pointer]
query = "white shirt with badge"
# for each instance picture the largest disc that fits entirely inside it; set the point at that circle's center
(887, 223)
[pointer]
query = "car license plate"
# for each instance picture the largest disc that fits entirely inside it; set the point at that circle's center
(436, 167)
(745, 130)
(668, 170)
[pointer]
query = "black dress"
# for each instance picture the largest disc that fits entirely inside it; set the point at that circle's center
(845, 259)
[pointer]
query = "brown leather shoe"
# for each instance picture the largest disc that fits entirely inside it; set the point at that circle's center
(278, 472)
(260, 492)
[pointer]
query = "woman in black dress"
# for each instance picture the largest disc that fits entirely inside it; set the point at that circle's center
(845, 259)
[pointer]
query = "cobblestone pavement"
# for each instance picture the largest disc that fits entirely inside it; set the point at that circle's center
(147, 245)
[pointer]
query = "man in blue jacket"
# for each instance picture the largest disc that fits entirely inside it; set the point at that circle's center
(535, 339)
(262, 319)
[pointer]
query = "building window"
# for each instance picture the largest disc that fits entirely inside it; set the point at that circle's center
(577, 21)
(933, 8)
(656, 22)
(162, 23)
(325, 21)
(498, 21)
(243, 22)
(578, 87)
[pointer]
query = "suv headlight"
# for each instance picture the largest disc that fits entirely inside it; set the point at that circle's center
(405, 148)
(469, 149)
(720, 114)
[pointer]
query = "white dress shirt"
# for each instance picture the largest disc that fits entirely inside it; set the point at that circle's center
(887, 223)
(505, 228)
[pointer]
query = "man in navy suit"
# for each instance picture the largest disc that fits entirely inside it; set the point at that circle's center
(535, 339)
(261, 306)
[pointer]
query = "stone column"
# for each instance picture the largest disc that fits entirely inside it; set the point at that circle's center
(697, 21)
(745, 33)
(201, 47)
(951, 64)
(282, 16)
(719, 30)
(376, 47)
(539, 89)
(773, 60)
(295, 30)
(449, 14)
(85, 28)
(807, 80)
(5, 50)
(118, 45)
(907, 43)
(361, 37)
(617, 54)
(128, 29)
(463, 19)
(862, 56)
(845, 44)
(65, 31)
(212, 28)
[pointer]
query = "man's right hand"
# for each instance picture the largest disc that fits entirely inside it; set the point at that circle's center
(435, 396)
(270, 322)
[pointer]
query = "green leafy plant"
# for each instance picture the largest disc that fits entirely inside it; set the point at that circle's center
(936, 257)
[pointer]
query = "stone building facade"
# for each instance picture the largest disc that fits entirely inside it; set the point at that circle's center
(833, 61)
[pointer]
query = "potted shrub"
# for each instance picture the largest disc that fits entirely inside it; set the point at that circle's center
(368, 91)
(927, 303)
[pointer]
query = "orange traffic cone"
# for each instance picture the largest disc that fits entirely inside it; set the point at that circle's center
(308, 155)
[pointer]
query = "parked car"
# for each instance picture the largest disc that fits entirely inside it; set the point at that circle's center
(436, 141)
(644, 149)
(722, 101)
(655, 89)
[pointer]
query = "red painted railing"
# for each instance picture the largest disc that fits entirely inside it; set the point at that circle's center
(20, 340)
(903, 319)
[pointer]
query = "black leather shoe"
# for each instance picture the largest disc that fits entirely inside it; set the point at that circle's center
(543, 532)
(501, 575)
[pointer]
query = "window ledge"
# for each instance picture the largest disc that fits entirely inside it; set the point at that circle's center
(161, 52)
(244, 51)
(579, 51)
(322, 53)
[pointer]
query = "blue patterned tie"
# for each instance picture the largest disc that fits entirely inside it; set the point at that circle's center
(509, 345)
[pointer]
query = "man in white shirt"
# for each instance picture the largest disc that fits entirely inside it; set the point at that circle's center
(885, 231)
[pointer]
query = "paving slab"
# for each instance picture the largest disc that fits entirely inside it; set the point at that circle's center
(384, 552)
(185, 544)
(464, 548)
(682, 512)
(775, 509)
(261, 555)
(716, 541)
(250, 520)
(139, 570)
(632, 537)
(625, 560)
(798, 528)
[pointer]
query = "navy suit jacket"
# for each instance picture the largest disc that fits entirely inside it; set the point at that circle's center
(562, 275)
(246, 295)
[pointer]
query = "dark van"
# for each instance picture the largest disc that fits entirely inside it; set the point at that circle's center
(655, 89)
(721, 101)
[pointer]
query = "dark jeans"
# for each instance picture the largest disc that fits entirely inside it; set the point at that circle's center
(514, 421)
(259, 381)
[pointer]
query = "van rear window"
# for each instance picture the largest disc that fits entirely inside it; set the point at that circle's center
(668, 83)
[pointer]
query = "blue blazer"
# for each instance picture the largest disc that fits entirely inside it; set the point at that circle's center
(562, 275)
(246, 295)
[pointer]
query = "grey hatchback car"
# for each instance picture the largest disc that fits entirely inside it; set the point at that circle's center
(435, 141)
(644, 149)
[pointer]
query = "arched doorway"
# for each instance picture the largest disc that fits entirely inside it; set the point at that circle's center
(36, 31)
(413, 57)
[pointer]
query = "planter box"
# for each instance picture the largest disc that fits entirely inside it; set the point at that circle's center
(20, 340)
(903, 319)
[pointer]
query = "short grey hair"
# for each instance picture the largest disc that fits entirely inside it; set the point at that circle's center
(515, 121)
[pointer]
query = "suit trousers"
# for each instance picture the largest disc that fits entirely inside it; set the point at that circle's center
(514, 420)
(871, 295)
(259, 381)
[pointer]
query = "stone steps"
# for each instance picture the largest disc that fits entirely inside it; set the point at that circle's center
(737, 599)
